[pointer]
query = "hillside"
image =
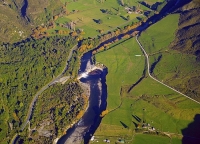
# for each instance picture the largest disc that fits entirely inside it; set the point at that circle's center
(174, 63)
(17, 17)
(25, 68)
(187, 37)
(147, 100)
(136, 103)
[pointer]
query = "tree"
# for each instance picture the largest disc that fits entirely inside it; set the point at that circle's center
(105, 112)
(128, 17)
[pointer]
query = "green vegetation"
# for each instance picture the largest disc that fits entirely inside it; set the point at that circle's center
(150, 139)
(174, 68)
(136, 103)
(50, 121)
(158, 36)
(147, 101)
(126, 67)
(12, 25)
(31, 68)
(138, 139)
(26, 67)
(16, 26)
(93, 16)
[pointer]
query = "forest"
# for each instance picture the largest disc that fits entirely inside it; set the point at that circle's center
(26, 67)
(55, 109)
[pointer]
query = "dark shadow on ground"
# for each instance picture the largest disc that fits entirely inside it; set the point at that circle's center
(146, 13)
(123, 124)
(191, 134)
(137, 118)
(103, 10)
(155, 6)
(115, 9)
(123, 17)
(155, 63)
(96, 21)
(139, 18)
(135, 124)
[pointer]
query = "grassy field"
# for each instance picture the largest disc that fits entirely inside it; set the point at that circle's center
(151, 139)
(157, 37)
(87, 13)
(177, 69)
(126, 68)
(159, 106)
(139, 139)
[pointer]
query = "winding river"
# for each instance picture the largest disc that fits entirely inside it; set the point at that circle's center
(86, 126)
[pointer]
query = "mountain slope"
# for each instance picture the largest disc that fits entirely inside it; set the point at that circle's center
(17, 17)
(187, 36)
(175, 61)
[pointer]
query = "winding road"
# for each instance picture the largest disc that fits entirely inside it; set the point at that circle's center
(45, 87)
(148, 67)
(31, 106)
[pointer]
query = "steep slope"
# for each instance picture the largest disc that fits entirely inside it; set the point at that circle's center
(17, 17)
(187, 36)
(175, 59)
(12, 26)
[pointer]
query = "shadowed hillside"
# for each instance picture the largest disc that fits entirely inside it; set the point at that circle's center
(187, 36)
(17, 17)
(191, 134)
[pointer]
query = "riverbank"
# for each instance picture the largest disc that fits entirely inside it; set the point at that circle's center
(76, 133)
(86, 88)
(86, 95)
(93, 92)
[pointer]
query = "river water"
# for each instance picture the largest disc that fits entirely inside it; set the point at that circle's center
(86, 126)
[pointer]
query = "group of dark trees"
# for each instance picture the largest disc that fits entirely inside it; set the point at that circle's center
(156, 6)
(58, 106)
(27, 66)
(111, 37)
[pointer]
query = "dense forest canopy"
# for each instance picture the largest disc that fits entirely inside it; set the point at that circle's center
(27, 66)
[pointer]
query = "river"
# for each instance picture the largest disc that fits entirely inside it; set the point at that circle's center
(24, 7)
(86, 126)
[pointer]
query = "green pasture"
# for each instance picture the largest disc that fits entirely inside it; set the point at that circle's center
(123, 68)
(87, 13)
(177, 69)
(164, 109)
(158, 36)
(152, 102)
(151, 139)
(175, 64)
(62, 20)
(57, 28)
(138, 139)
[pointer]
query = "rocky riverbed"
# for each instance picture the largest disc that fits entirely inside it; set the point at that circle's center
(93, 84)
